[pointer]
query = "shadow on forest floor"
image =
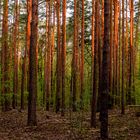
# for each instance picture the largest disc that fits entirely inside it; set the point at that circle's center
(75, 126)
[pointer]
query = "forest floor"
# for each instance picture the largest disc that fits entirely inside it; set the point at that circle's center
(74, 126)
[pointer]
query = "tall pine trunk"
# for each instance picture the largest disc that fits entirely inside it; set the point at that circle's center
(5, 84)
(105, 73)
(123, 61)
(74, 59)
(63, 56)
(95, 78)
(58, 66)
(26, 53)
(15, 45)
(48, 49)
(33, 66)
(82, 56)
(129, 100)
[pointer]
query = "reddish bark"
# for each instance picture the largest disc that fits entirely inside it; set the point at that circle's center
(26, 53)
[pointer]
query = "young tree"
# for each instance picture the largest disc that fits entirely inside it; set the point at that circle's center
(105, 73)
(33, 66)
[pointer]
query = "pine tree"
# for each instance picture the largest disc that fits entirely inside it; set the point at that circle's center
(33, 66)
(95, 77)
(15, 46)
(26, 53)
(5, 87)
(123, 60)
(105, 73)
(63, 56)
(58, 66)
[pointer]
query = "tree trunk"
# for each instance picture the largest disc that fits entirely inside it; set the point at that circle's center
(116, 49)
(15, 45)
(5, 87)
(63, 56)
(123, 60)
(26, 53)
(58, 67)
(82, 55)
(105, 73)
(52, 54)
(111, 56)
(48, 66)
(127, 51)
(129, 101)
(95, 80)
(74, 59)
(33, 66)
